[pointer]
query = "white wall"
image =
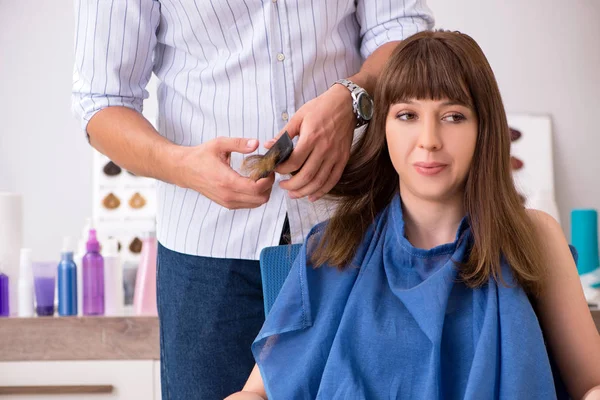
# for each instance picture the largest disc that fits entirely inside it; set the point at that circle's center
(546, 57)
(545, 53)
(43, 154)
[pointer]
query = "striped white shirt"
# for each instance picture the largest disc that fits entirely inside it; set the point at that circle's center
(235, 68)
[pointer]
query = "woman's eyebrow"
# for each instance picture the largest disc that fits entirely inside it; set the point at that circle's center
(454, 103)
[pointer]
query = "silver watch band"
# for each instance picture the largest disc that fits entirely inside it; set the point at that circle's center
(353, 87)
(355, 91)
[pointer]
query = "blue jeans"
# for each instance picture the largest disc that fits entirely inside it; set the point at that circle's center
(210, 310)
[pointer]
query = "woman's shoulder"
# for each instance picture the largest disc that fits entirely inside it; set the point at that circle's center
(551, 237)
(546, 227)
(539, 216)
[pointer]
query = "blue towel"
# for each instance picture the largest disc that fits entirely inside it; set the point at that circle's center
(401, 325)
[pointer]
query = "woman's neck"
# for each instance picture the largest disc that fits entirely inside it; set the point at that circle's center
(431, 223)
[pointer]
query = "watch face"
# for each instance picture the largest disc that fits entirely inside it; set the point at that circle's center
(365, 106)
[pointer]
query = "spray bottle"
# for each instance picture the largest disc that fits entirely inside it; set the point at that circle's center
(93, 277)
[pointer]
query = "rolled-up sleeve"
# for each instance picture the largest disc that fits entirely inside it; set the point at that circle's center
(114, 46)
(385, 21)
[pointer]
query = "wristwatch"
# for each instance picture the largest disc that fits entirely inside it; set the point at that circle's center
(362, 103)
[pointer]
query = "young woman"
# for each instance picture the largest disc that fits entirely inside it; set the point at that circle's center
(431, 280)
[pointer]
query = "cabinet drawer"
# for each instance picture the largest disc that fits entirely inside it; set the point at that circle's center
(157, 387)
(82, 380)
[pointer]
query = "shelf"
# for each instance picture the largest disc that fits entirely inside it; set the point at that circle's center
(79, 338)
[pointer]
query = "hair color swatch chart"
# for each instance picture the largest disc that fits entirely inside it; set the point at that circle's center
(124, 205)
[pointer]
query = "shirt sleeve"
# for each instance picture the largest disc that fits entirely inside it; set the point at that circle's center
(114, 46)
(385, 21)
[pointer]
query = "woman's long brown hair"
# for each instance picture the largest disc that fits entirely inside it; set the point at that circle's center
(438, 65)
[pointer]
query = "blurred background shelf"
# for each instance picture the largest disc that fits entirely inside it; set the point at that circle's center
(79, 338)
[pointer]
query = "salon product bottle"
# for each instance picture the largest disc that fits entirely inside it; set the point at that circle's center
(144, 296)
(4, 295)
(113, 279)
(67, 281)
(93, 277)
(78, 258)
(584, 237)
(25, 285)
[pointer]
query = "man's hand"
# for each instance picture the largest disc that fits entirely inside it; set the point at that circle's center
(325, 126)
(206, 169)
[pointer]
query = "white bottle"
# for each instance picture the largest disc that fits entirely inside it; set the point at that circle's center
(113, 279)
(25, 285)
(78, 259)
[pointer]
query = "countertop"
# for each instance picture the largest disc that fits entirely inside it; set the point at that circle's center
(79, 338)
(87, 338)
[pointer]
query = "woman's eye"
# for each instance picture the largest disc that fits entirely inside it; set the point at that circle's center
(454, 118)
(406, 116)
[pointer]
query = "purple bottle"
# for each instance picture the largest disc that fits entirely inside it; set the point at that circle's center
(93, 278)
(4, 308)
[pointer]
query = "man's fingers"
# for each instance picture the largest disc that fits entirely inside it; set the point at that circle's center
(236, 183)
(332, 180)
(238, 145)
(243, 192)
(302, 151)
(307, 173)
(316, 183)
(292, 128)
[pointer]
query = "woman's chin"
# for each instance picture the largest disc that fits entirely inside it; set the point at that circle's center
(434, 193)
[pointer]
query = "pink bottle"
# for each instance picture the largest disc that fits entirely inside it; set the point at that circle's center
(144, 296)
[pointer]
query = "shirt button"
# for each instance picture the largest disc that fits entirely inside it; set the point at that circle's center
(280, 57)
(285, 116)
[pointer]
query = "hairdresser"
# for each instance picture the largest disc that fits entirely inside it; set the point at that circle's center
(232, 77)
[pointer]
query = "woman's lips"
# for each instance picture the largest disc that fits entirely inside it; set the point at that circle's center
(429, 168)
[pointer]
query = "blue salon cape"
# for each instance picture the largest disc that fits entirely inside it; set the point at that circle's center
(401, 326)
